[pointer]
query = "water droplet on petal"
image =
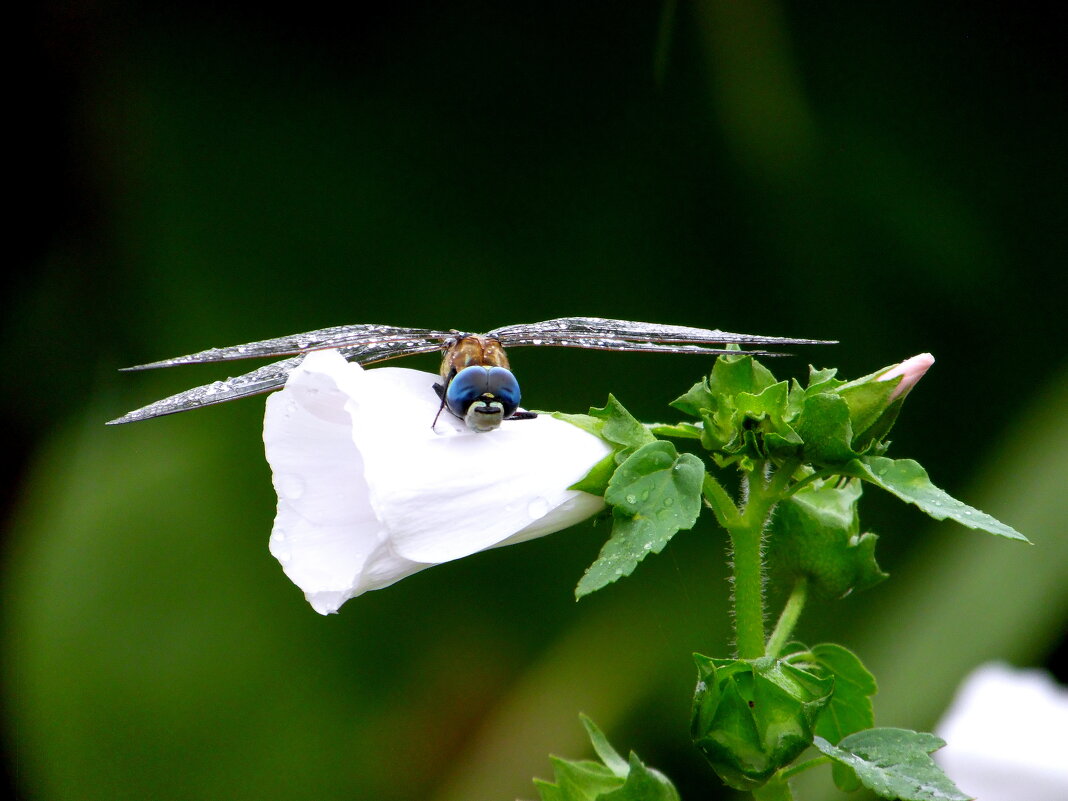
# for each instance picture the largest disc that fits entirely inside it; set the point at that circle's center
(290, 487)
(538, 508)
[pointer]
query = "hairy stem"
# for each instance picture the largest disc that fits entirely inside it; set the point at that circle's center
(748, 588)
(747, 537)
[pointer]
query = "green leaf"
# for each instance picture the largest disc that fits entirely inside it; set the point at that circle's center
(654, 493)
(616, 780)
(894, 763)
(583, 780)
(612, 423)
(816, 533)
(698, 397)
(616, 426)
(596, 481)
(850, 708)
(770, 408)
(722, 506)
(825, 427)
(643, 784)
(731, 376)
(683, 430)
(822, 380)
(609, 756)
(871, 411)
(907, 480)
(547, 791)
(745, 413)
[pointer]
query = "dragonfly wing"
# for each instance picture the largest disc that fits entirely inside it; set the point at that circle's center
(374, 343)
(265, 379)
(628, 335)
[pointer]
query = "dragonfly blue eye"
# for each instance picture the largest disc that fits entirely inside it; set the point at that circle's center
(487, 384)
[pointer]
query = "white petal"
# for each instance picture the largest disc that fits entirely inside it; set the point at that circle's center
(1006, 736)
(447, 497)
(369, 492)
(326, 534)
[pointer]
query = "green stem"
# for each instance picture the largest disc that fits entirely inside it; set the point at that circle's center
(793, 770)
(777, 789)
(748, 588)
(720, 502)
(826, 472)
(747, 540)
(788, 619)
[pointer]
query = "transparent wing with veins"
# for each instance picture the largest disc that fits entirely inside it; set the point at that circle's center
(363, 344)
(626, 335)
(369, 343)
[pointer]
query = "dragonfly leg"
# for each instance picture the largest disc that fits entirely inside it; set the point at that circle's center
(438, 388)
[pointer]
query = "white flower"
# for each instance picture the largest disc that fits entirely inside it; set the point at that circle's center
(1006, 736)
(369, 493)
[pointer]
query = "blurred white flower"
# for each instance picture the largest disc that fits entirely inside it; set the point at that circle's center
(369, 493)
(1006, 736)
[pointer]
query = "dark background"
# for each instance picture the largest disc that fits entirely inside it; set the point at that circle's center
(892, 177)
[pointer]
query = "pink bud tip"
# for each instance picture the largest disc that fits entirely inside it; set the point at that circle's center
(911, 370)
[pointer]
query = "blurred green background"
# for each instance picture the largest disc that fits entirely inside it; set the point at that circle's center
(889, 176)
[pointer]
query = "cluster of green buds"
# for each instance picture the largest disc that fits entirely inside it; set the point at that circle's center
(748, 416)
(800, 455)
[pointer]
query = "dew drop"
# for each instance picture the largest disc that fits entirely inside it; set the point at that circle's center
(538, 508)
(289, 486)
(279, 547)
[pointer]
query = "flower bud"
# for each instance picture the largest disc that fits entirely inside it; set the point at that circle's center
(910, 370)
(752, 717)
(875, 400)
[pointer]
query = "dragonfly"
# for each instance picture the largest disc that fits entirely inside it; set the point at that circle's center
(477, 384)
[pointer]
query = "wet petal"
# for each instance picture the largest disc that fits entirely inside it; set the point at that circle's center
(369, 492)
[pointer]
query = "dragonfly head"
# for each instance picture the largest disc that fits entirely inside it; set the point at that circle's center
(483, 396)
